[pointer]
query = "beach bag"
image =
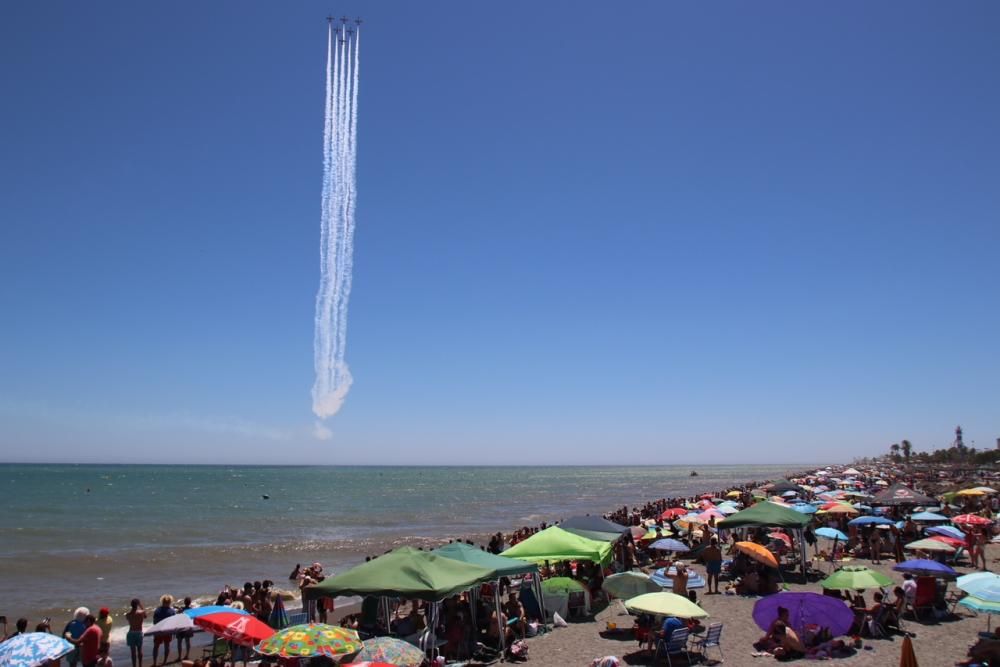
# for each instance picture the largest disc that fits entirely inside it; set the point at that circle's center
(559, 621)
(518, 650)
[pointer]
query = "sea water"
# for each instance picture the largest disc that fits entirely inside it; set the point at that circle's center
(99, 535)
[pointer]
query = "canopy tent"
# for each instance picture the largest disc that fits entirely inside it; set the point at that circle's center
(503, 566)
(594, 524)
(594, 534)
(771, 516)
(765, 514)
(783, 485)
(556, 544)
(408, 573)
(900, 494)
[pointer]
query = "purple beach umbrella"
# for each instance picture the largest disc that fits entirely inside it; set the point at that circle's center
(805, 609)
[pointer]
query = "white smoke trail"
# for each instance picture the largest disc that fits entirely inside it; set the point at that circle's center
(333, 378)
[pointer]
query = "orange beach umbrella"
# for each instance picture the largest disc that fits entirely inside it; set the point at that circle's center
(758, 552)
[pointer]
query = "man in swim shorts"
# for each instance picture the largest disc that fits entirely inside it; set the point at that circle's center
(135, 617)
(712, 555)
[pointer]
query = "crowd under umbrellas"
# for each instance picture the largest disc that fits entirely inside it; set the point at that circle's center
(649, 559)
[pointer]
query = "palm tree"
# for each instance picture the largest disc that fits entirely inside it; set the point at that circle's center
(895, 450)
(907, 448)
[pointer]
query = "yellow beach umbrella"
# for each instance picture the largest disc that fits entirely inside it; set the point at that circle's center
(971, 492)
(665, 604)
(733, 494)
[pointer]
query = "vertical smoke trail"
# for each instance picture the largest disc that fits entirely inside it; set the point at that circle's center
(333, 379)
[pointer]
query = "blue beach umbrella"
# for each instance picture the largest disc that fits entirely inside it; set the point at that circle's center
(982, 585)
(669, 545)
(195, 612)
(982, 606)
(870, 520)
(947, 531)
(662, 577)
(831, 534)
(33, 649)
(928, 516)
(925, 568)
(804, 508)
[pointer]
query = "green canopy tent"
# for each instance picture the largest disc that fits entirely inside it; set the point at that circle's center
(555, 544)
(770, 515)
(503, 566)
(594, 534)
(407, 573)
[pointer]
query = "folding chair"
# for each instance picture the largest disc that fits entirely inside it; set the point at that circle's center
(678, 644)
(709, 640)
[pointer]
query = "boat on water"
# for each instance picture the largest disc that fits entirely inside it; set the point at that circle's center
(694, 473)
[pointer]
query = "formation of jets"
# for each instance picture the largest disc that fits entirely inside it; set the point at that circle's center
(343, 29)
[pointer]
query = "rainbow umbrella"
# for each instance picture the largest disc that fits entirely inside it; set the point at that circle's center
(311, 640)
(391, 650)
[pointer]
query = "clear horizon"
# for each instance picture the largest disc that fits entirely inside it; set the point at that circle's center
(741, 232)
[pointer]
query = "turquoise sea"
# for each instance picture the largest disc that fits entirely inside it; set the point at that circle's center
(99, 535)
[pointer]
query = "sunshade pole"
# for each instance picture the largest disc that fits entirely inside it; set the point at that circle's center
(501, 626)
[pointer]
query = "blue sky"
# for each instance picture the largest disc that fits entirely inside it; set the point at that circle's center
(660, 232)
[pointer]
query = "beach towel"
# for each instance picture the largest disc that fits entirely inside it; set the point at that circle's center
(606, 661)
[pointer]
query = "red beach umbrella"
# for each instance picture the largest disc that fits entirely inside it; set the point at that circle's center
(971, 520)
(237, 628)
(673, 513)
(953, 541)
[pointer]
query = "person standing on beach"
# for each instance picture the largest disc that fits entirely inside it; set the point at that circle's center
(90, 642)
(164, 611)
(104, 622)
(135, 616)
(712, 555)
(73, 630)
(184, 636)
(681, 580)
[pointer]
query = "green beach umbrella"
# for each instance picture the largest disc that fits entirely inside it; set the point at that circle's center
(311, 640)
(562, 585)
(627, 585)
(665, 604)
(855, 578)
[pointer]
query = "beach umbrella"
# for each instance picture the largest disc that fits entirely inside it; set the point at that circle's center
(925, 568)
(928, 516)
(840, 508)
(950, 541)
(195, 612)
(637, 532)
(665, 603)
(907, 658)
(805, 609)
(982, 606)
(33, 649)
(805, 508)
(930, 545)
(983, 587)
(669, 545)
(728, 509)
(392, 651)
(733, 494)
(673, 513)
(562, 585)
(687, 521)
(855, 578)
(971, 492)
(238, 628)
(711, 512)
(758, 552)
(664, 578)
(869, 521)
(778, 535)
(986, 489)
(831, 534)
(278, 618)
(172, 624)
(948, 531)
(971, 520)
(311, 640)
(626, 585)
